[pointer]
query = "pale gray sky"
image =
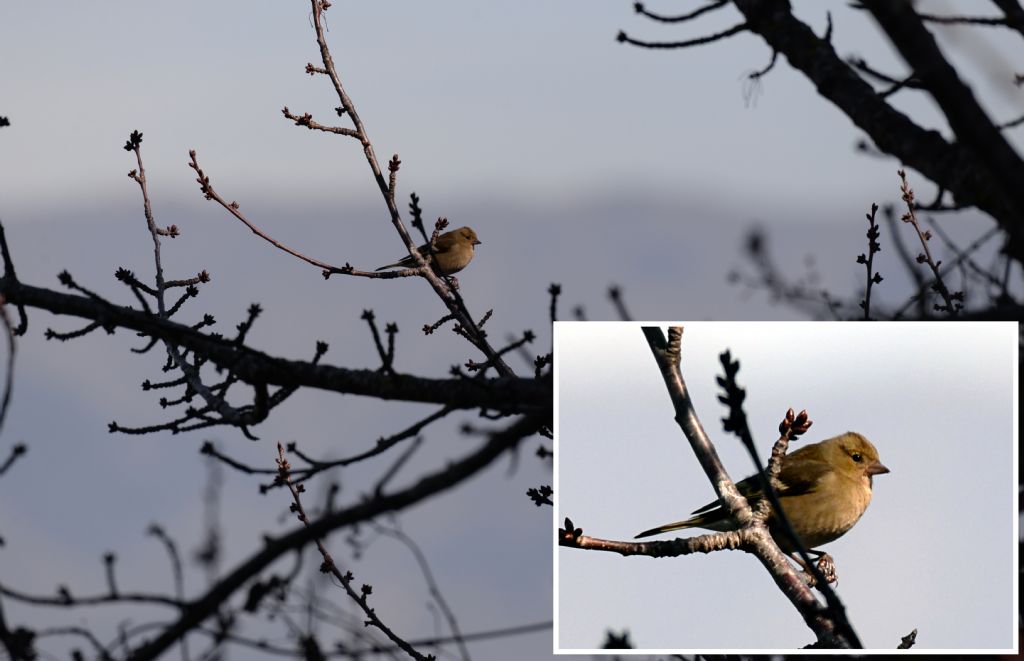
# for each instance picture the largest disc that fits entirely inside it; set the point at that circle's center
(934, 551)
(577, 160)
(525, 120)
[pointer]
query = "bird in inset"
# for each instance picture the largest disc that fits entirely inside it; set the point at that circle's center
(826, 487)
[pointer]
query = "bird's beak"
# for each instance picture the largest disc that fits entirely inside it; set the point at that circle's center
(876, 469)
(477, 242)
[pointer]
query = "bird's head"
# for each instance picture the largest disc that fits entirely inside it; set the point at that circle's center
(854, 455)
(467, 235)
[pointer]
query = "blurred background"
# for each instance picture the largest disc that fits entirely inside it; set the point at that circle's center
(577, 159)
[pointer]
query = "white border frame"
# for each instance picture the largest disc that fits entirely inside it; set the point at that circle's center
(556, 523)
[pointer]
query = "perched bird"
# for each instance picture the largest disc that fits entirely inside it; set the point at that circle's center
(826, 487)
(453, 251)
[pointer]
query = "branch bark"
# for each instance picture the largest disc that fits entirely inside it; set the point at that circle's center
(510, 394)
(957, 167)
(197, 611)
(831, 629)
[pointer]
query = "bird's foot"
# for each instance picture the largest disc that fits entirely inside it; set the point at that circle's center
(825, 564)
(827, 567)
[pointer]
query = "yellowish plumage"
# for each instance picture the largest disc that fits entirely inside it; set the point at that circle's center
(826, 488)
(453, 251)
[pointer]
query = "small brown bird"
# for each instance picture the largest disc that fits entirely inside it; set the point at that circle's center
(826, 488)
(453, 251)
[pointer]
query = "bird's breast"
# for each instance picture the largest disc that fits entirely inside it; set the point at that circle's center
(828, 512)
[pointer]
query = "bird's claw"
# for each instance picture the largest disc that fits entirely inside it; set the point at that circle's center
(825, 564)
(827, 567)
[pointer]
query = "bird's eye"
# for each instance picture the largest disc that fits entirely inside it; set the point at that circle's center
(856, 457)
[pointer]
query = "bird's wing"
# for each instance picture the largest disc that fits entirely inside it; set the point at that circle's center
(440, 246)
(749, 488)
(444, 243)
(798, 476)
(707, 508)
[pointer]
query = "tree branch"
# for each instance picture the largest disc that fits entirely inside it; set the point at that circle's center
(956, 167)
(503, 393)
(829, 631)
(429, 485)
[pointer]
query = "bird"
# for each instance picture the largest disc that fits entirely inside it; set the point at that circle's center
(826, 487)
(453, 251)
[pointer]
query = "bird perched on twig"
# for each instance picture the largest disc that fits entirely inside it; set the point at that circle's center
(826, 487)
(453, 251)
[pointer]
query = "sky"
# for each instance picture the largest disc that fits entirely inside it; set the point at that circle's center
(576, 159)
(934, 551)
(604, 163)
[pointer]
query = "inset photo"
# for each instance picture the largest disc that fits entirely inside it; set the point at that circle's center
(774, 486)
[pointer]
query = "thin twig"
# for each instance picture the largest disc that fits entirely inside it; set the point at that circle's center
(554, 291)
(233, 208)
(179, 577)
(952, 300)
(329, 567)
(873, 277)
(640, 9)
(432, 586)
(436, 482)
(11, 279)
(918, 297)
(17, 450)
(699, 41)
(615, 295)
(965, 20)
(9, 331)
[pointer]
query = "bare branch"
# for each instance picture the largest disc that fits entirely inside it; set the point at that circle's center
(963, 170)
(699, 41)
(328, 565)
(256, 367)
(429, 485)
(711, 6)
(873, 277)
(953, 301)
(831, 628)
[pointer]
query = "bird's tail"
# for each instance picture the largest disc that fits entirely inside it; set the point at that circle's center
(669, 527)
